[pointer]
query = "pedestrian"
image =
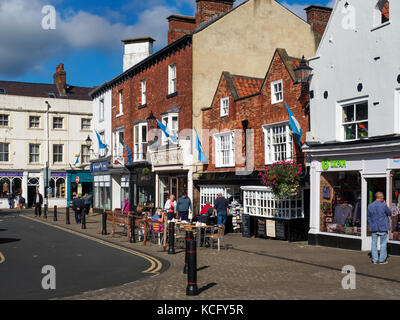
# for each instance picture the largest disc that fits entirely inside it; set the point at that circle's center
(184, 207)
(10, 200)
(87, 202)
(37, 203)
(378, 219)
(221, 207)
(77, 206)
(170, 207)
(19, 201)
(126, 206)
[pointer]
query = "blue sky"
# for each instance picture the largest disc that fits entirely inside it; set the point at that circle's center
(87, 36)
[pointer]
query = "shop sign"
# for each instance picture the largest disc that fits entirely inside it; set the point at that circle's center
(11, 174)
(271, 229)
(99, 166)
(333, 164)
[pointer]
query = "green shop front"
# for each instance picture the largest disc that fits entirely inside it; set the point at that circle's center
(79, 182)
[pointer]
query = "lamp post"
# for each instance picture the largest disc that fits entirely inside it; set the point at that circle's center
(48, 160)
(303, 71)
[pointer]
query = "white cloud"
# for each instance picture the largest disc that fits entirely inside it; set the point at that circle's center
(26, 46)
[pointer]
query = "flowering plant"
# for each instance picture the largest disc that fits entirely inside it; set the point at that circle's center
(283, 178)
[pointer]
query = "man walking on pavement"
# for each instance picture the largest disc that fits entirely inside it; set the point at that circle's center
(37, 203)
(378, 219)
(77, 206)
(183, 206)
(221, 206)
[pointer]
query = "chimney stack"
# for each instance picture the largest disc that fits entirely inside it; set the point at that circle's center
(318, 17)
(207, 9)
(180, 26)
(60, 79)
(136, 50)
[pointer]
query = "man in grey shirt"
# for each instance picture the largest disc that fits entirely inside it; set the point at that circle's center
(183, 206)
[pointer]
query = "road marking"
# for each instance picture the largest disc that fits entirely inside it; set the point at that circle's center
(156, 264)
(2, 259)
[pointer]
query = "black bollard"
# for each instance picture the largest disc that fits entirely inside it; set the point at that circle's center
(104, 230)
(192, 289)
(171, 228)
(84, 219)
(132, 230)
(67, 216)
(189, 236)
(55, 213)
(45, 211)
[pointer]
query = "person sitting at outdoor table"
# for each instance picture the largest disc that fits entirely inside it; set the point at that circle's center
(158, 216)
(205, 213)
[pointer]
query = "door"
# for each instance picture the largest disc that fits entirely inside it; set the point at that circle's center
(374, 185)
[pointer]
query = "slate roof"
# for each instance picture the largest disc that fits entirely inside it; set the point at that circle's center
(42, 90)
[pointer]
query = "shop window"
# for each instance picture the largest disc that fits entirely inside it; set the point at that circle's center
(57, 186)
(263, 203)
(208, 194)
(394, 233)
(102, 192)
(4, 120)
(340, 203)
(355, 121)
(225, 107)
(140, 138)
(276, 91)
(278, 143)
(225, 149)
(4, 152)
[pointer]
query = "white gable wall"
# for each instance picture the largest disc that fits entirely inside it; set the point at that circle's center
(346, 58)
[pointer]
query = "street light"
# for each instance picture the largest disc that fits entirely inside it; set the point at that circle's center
(303, 71)
(151, 120)
(48, 160)
(88, 142)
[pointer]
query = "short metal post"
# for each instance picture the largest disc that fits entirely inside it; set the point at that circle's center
(67, 221)
(55, 213)
(45, 211)
(189, 236)
(84, 219)
(104, 230)
(192, 289)
(132, 230)
(171, 228)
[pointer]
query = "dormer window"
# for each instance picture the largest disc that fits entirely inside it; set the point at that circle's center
(224, 107)
(382, 13)
(276, 91)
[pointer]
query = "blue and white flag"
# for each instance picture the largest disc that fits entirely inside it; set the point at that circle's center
(77, 159)
(167, 134)
(199, 147)
(101, 144)
(129, 155)
(294, 125)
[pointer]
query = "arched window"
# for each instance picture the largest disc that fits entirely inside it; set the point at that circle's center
(57, 186)
(382, 12)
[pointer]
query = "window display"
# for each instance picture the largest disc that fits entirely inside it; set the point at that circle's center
(394, 234)
(340, 201)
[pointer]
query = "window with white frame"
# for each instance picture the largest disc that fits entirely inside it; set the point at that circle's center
(101, 110)
(4, 152)
(278, 143)
(86, 124)
(34, 153)
(58, 153)
(121, 103)
(225, 149)
(34, 122)
(58, 123)
(277, 91)
(171, 121)
(172, 78)
(224, 107)
(119, 144)
(85, 154)
(4, 120)
(355, 121)
(261, 202)
(381, 13)
(102, 152)
(140, 138)
(143, 89)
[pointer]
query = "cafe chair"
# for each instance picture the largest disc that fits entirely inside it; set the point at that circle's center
(216, 236)
(157, 232)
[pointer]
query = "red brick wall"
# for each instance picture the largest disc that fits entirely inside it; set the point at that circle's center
(179, 28)
(259, 111)
(208, 8)
(156, 98)
(318, 19)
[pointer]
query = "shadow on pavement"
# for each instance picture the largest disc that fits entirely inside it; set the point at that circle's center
(8, 240)
(3, 230)
(202, 268)
(209, 286)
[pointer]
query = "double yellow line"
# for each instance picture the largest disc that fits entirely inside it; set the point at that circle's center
(155, 264)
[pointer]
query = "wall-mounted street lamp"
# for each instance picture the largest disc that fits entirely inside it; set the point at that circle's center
(303, 71)
(88, 142)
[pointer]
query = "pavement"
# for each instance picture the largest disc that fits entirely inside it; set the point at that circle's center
(250, 269)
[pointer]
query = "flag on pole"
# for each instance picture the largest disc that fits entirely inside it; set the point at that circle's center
(77, 159)
(129, 155)
(294, 125)
(167, 134)
(101, 144)
(199, 147)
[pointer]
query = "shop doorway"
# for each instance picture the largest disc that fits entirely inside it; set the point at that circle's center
(31, 195)
(175, 185)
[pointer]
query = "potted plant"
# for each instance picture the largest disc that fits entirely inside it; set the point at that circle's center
(283, 178)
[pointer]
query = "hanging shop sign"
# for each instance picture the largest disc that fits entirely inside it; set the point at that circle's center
(99, 166)
(333, 164)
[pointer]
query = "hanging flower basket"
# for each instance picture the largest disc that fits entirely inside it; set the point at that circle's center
(283, 178)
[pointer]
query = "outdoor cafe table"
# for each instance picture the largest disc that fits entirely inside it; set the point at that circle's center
(193, 226)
